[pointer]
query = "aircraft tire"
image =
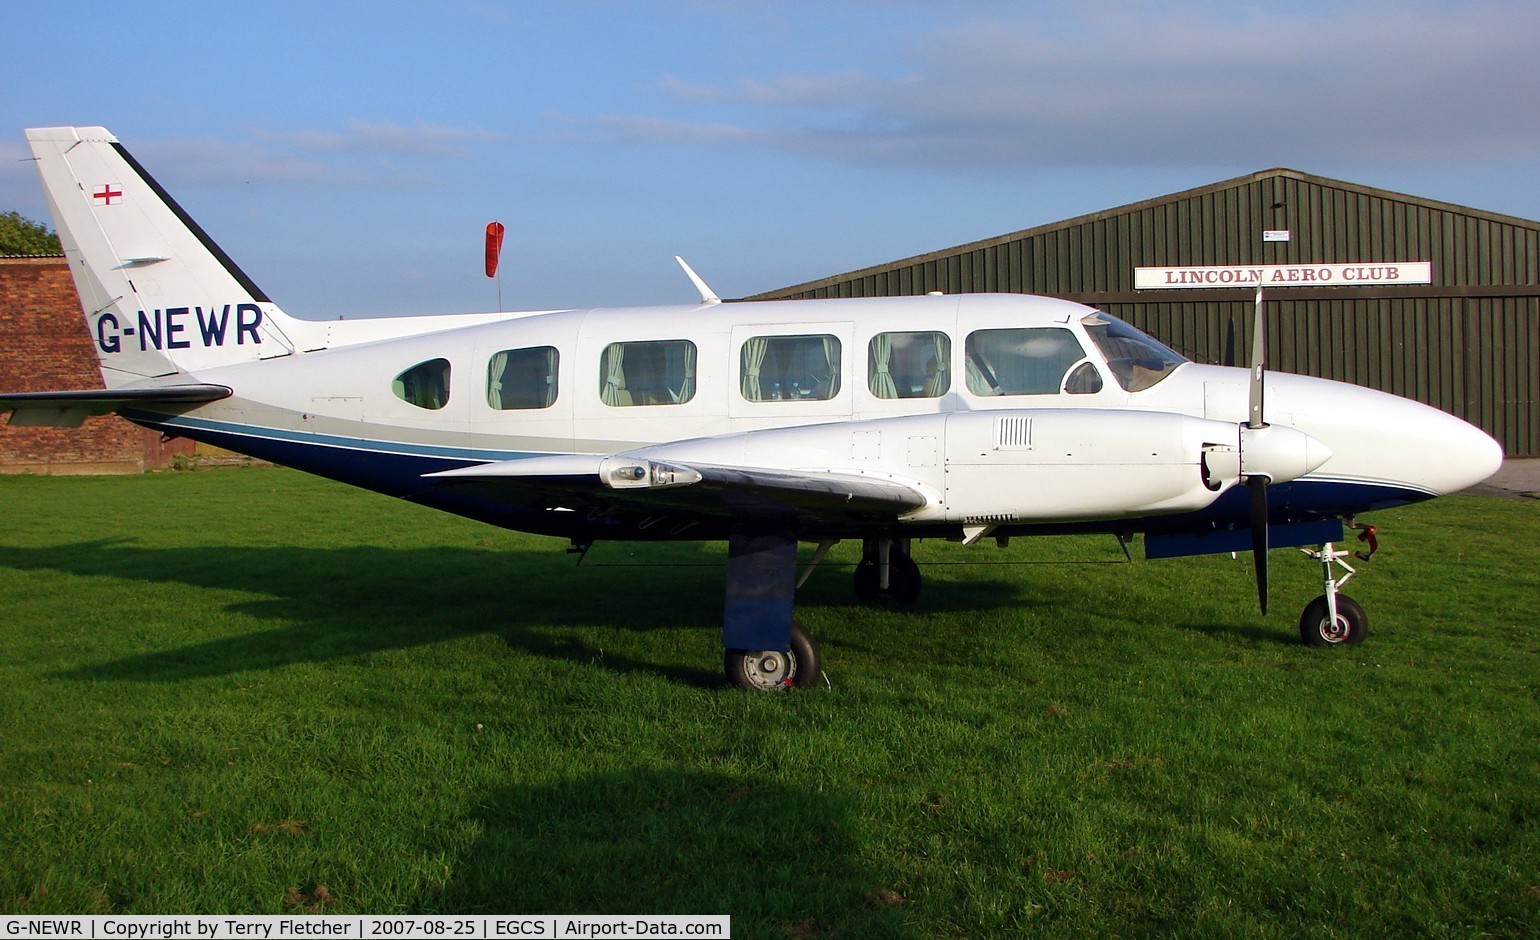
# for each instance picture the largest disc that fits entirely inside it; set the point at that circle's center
(772, 670)
(904, 581)
(1351, 628)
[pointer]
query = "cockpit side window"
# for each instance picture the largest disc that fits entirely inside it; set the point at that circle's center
(1083, 380)
(1136, 359)
(1021, 361)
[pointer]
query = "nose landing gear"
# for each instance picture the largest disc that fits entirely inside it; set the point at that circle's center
(1333, 619)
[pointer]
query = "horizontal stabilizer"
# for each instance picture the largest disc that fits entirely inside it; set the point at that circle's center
(70, 409)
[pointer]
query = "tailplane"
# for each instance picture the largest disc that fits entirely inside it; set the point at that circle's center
(160, 297)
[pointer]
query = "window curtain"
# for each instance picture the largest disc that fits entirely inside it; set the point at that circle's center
(614, 375)
(495, 372)
(437, 382)
(548, 394)
(939, 382)
(882, 357)
(831, 358)
(753, 358)
(687, 386)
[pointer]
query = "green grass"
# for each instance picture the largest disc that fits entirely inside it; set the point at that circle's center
(254, 691)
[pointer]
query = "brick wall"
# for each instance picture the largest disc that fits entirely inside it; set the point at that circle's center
(46, 346)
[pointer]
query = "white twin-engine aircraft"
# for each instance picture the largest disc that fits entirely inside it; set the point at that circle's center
(765, 424)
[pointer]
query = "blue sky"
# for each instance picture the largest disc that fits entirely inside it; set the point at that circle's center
(348, 155)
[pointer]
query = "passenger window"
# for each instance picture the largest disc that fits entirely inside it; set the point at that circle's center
(790, 368)
(655, 372)
(425, 385)
(909, 365)
(1020, 361)
(520, 379)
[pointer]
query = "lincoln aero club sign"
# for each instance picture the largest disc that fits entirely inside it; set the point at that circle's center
(1285, 275)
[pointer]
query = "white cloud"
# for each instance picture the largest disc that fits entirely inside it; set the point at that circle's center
(218, 161)
(360, 154)
(1147, 84)
(421, 139)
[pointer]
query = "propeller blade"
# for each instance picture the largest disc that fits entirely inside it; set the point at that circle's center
(1258, 487)
(1258, 366)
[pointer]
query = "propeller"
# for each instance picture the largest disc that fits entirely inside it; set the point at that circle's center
(1256, 483)
(1257, 486)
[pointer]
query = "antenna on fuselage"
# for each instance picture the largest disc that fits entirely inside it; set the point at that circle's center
(707, 295)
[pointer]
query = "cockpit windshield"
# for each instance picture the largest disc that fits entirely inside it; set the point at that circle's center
(1137, 361)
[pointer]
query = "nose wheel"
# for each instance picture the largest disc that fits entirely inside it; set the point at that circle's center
(1318, 626)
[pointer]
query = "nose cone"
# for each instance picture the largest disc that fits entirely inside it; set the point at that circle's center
(1383, 442)
(1462, 456)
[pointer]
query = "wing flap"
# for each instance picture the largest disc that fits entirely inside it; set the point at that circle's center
(69, 409)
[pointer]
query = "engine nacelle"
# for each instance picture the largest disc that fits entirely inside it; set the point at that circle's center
(1078, 465)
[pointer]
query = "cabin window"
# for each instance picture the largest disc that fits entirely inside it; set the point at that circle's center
(790, 368)
(1136, 359)
(909, 365)
(425, 385)
(654, 372)
(1021, 361)
(520, 379)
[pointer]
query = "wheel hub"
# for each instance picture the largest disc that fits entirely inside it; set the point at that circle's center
(1335, 630)
(770, 669)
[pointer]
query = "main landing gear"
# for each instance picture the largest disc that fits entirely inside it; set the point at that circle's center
(887, 573)
(764, 649)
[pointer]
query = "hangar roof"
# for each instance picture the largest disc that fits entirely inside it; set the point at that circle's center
(1332, 220)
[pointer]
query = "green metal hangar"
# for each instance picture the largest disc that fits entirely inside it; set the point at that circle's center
(1424, 299)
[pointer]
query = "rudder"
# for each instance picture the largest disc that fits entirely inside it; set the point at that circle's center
(160, 297)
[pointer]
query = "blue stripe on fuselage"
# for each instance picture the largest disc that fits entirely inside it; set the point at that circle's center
(397, 468)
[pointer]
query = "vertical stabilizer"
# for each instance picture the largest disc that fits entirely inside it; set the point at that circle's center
(160, 297)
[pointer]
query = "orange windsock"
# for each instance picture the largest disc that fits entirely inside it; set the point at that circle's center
(494, 246)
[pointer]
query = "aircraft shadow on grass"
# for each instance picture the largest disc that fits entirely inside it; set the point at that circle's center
(348, 601)
(779, 859)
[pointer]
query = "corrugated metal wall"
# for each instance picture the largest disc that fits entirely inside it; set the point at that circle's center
(1469, 343)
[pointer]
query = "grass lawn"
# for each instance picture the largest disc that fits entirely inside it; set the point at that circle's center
(252, 691)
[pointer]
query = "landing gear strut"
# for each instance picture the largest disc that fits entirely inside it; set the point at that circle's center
(763, 648)
(1333, 619)
(887, 573)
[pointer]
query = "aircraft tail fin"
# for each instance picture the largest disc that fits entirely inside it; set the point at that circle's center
(160, 297)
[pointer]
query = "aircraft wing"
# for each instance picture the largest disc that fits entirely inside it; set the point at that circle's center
(70, 409)
(689, 489)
